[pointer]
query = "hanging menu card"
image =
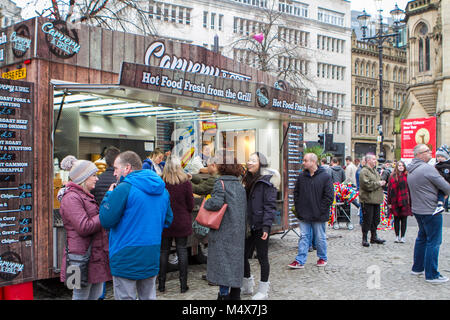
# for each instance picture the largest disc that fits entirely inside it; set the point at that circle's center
(293, 159)
(16, 182)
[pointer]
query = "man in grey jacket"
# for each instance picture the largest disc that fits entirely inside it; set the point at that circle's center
(424, 182)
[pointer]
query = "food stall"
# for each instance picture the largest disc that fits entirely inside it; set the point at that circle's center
(87, 88)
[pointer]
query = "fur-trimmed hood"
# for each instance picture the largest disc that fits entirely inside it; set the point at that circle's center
(275, 177)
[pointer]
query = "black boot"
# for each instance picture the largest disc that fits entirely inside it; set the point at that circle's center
(375, 239)
(235, 294)
(365, 243)
(183, 267)
(163, 262)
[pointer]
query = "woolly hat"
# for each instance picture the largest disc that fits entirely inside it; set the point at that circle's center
(80, 170)
(443, 151)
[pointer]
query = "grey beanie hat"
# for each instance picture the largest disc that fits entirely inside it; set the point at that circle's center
(81, 170)
(443, 151)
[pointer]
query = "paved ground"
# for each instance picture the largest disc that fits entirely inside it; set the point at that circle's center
(380, 272)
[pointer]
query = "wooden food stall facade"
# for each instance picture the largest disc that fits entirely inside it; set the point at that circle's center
(48, 62)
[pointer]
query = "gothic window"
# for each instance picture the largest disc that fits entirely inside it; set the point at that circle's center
(424, 48)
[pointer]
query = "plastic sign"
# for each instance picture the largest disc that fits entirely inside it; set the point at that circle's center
(417, 131)
(207, 125)
(15, 74)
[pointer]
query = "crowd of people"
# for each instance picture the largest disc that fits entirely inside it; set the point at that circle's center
(128, 217)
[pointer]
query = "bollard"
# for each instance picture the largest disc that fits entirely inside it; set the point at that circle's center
(21, 291)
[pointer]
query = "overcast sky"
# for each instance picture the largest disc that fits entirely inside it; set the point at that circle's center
(359, 5)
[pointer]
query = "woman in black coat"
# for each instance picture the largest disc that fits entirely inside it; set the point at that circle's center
(261, 184)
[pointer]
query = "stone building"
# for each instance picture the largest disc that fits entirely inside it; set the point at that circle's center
(365, 96)
(428, 27)
(10, 13)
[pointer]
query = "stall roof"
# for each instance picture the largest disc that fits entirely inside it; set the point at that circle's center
(120, 101)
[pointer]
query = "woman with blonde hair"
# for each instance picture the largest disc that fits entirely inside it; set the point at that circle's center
(182, 203)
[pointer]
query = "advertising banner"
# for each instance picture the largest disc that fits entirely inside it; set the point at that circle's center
(417, 131)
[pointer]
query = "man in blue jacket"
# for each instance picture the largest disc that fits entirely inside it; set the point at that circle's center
(313, 196)
(135, 212)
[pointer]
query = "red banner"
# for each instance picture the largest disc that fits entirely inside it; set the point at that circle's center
(417, 131)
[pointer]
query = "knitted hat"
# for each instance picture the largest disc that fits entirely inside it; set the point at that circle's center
(79, 170)
(443, 151)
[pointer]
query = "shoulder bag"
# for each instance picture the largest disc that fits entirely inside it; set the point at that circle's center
(211, 219)
(77, 266)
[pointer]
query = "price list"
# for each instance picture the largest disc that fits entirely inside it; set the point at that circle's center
(16, 182)
(293, 159)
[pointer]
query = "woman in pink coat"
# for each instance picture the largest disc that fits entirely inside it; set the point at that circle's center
(80, 215)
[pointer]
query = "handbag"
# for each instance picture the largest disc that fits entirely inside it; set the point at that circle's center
(77, 268)
(211, 219)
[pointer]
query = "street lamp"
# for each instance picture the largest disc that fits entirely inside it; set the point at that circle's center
(379, 39)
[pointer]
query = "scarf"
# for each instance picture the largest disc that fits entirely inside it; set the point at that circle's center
(398, 192)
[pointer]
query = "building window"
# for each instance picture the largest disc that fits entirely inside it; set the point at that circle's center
(424, 48)
(213, 20)
(356, 95)
(220, 22)
(205, 19)
(361, 124)
(330, 17)
(356, 123)
(367, 125)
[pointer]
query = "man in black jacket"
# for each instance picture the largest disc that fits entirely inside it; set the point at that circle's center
(313, 197)
(106, 179)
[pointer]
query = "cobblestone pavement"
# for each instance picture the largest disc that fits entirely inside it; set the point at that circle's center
(380, 272)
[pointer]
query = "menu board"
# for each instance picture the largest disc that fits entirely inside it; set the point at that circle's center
(16, 182)
(293, 159)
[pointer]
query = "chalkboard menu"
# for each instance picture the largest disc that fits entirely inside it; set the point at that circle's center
(293, 159)
(16, 182)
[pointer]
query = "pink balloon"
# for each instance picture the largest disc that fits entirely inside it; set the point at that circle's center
(259, 37)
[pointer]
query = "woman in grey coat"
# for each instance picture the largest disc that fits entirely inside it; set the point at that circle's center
(226, 245)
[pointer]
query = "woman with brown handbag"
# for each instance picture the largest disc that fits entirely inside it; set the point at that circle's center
(226, 244)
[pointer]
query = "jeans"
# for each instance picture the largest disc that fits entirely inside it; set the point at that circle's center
(92, 292)
(441, 196)
(307, 229)
(428, 242)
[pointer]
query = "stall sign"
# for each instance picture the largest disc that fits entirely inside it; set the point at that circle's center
(208, 125)
(20, 40)
(158, 49)
(417, 131)
(16, 182)
(15, 74)
(62, 41)
(293, 160)
(3, 38)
